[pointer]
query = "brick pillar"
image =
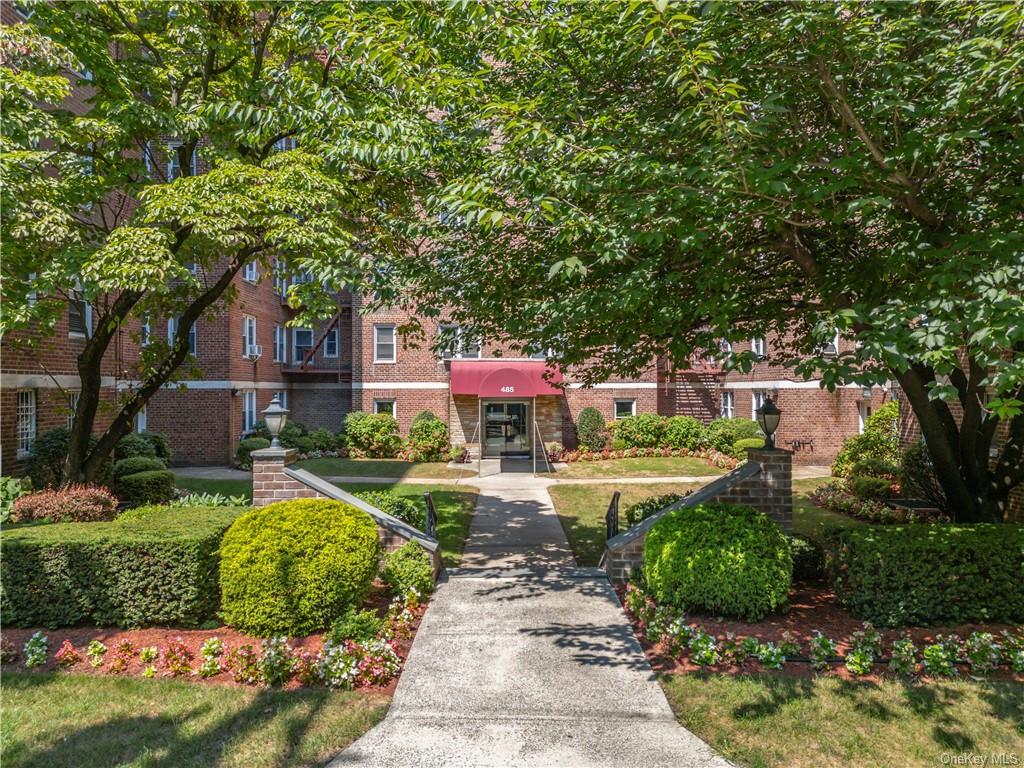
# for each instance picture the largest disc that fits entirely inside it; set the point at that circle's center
(270, 483)
(773, 485)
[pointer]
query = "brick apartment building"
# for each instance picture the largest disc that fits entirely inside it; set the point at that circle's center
(358, 361)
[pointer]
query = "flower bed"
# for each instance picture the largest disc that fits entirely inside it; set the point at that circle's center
(835, 496)
(712, 457)
(224, 656)
(817, 636)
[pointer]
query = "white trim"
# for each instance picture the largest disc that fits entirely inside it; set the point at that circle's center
(394, 405)
(781, 384)
(377, 328)
(615, 405)
(400, 385)
(615, 385)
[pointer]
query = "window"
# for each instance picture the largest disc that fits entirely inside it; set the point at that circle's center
(144, 333)
(625, 408)
(456, 345)
(831, 347)
(33, 296)
(174, 161)
(758, 399)
(79, 314)
(172, 330)
(302, 342)
(147, 158)
(758, 346)
(727, 405)
(280, 344)
(863, 414)
(250, 273)
(248, 409)
(249, 347)
(385, 406)
(26, 420)
(282, 145)
(282, 397)
(73, 397)
(141, 420)
(280, 278)
(383, 343)
(725, 350)
(331, 343)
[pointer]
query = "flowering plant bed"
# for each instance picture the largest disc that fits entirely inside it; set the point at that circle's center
(835, 496)
(712, 457)
(817, 636)
(224, 656)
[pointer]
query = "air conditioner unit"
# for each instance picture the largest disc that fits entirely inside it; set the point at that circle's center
(254, 353)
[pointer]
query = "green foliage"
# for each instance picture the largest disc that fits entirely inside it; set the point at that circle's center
(404, 508)
(292, 433)
(69, 503)
(243, 456)
(132, 445)
(375, 435)
(428, 438)
(47, 458)
(645, 430)
(304, 444)
(930, 574)
(917, 476)
(323, 440)
(870, 466)
(135, 464)
(879, 442)
(209, 500)
(644, 508)
(872, 488)
(685, 432)
(723, 434)
(161, 569)
(161, 444)
(296, 566)
(808, 558)
(408, 567)
(724, 559)
(11, 489)
(591, 429)
(358, 625)
(739, 448)
(153, 487)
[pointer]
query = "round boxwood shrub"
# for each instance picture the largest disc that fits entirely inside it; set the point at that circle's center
(137, 464)
(48, 460)
(152, 487)
(723, 433)
(402, 507)
(591, 429)
(134, 444)
(294, 567)
(428, 438)
(723, 559)
(739, 448)
(407, 568)
(243, 456)
(323, 439)
(160, 444)
(867, 487)
(685, 432)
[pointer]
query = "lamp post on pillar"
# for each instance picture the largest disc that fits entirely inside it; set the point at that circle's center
(270, 483)
(275, 418)
(768, 416)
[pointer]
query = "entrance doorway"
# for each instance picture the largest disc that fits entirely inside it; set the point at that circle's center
(506, 429)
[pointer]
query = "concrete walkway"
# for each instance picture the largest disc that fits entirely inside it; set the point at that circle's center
(523, 659)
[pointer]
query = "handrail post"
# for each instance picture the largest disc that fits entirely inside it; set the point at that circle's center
(611, 518)
(431, 522)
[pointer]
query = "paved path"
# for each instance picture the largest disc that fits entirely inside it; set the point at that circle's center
(523, 659)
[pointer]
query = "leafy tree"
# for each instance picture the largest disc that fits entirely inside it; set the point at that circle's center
(180, 171)
(647, 179)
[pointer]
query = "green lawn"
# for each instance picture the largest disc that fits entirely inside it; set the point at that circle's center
(810, 520)
(581, 509)
(223, 487)
(83, 721)
(767, 720)
(655, 466)
(454, 504)
(382, 468)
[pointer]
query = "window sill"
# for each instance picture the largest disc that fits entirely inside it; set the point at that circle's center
(77, 335)
(384, 362)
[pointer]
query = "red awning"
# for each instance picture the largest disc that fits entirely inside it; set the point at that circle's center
(504, 378)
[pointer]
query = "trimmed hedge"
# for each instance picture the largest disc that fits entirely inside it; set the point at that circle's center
(296, 566)
(243, 456)
(929, 573)
(723, 559)
(402, 507)
(134, 444)
(153, 487)
(739, 448)
(160, 568)
(137, 464)
(591, 430)
(408, 567)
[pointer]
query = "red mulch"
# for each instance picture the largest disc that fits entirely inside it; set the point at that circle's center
(812, 607)
(193, 639)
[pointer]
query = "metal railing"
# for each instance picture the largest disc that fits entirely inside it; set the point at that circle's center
(431, 526)
(611, 518)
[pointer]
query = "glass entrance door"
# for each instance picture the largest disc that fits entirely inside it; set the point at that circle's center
(506, 430)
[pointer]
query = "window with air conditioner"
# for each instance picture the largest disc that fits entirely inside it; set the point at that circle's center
(250, 348)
